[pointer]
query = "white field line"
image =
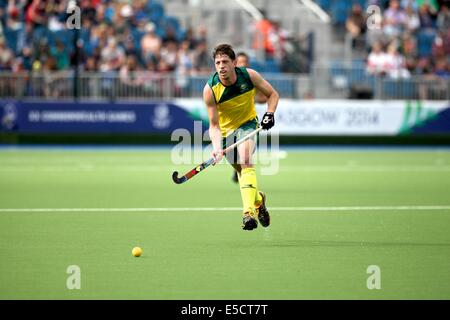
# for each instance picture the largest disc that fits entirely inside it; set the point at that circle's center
(158, 168)
(210, 209)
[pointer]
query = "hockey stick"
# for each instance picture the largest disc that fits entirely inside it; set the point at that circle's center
(210, 161)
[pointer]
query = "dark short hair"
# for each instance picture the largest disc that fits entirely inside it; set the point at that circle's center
(225, 49)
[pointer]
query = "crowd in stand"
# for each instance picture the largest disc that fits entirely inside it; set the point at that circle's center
(124, 37)
(410, 37)
(119, 36)
(280, 46)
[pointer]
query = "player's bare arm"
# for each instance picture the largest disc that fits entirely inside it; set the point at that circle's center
(214, 127)
(260, 98)
(272, 95)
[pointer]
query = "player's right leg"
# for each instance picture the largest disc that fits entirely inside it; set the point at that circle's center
(249, 221)
(248, 184)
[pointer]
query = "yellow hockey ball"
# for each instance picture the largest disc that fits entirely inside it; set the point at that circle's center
(136, 251)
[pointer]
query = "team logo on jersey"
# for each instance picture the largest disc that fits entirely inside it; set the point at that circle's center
(243, 87)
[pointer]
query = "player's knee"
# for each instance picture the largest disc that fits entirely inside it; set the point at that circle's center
(245, 162)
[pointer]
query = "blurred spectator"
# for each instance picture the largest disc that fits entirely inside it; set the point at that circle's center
(432, 5)
(88, 9)
(90, 65)
(14, 21)
(41, 55)
(442, 68)
(27, 57)
(374, 35)
(6, 56)
(56, 14)
(121, 26)
(202, 36)
(376, 62)
(242, 60)
(112, 56)
(36, 13)
(183, 69)
(409, 49)
(410, 3)
(18, 65)
(412, 21)
(130, 48)
(169, 55)
(128, 73)
(185, 58)
(61, 56)
(356, 24)
(424, 66)
(110, 12)
(163, 66)
(190, 37)
(441, 45)
(261, 40)
(170, 35)
(202, 59)
(126, 12)
(394, 19)
(395, 63)
(443, 19)
(425, 16)
(150, 44)
(278, 40)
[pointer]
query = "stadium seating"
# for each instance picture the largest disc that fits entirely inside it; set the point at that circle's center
(339, 11)
(11, 37)
(156, 12)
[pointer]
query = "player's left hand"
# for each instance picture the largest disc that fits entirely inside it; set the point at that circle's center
(268, 121)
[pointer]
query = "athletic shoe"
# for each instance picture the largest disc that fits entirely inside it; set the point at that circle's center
(263, 214)
(248, 222)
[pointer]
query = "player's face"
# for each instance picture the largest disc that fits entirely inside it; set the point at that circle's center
(242, 61)
(224, 66)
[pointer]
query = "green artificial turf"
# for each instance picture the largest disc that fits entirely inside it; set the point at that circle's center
(307, 253)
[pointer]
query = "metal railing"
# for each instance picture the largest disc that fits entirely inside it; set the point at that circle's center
(353, 81)
(113, 86)
(337, 80)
